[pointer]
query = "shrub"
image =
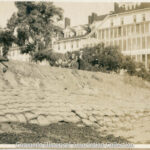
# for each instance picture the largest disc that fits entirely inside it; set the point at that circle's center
(100, 58)
(45, 55)
(129, 65)
(28, 48)
(142, 72)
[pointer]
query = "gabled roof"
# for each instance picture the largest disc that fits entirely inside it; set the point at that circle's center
(73, 29)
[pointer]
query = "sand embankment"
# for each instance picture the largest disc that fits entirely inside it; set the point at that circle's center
(43, 95)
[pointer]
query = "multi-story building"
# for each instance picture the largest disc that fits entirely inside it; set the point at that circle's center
(129, 30)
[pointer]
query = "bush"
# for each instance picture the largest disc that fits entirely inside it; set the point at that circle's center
(45, 55)
(142, 72)
(28, 49)
(100, 58)
(129, 65)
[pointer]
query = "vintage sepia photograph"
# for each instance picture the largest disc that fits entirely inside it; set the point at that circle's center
(75, 73)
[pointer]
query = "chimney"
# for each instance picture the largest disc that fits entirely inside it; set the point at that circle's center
(67, 22)
(94, 16)
(90, 19)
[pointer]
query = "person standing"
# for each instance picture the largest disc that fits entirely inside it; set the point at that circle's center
(79, 60)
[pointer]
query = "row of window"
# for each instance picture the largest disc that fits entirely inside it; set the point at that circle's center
(131, 43)
(143, 18)
(141, 58)
(14, 53)
(123, 31)
(70, 34)
(73, 45)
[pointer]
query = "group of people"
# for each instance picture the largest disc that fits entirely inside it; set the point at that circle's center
(77, 59)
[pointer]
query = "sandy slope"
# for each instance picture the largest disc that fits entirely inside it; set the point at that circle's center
(43, 95)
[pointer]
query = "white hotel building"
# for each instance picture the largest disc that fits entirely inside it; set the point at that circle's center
(129, 30)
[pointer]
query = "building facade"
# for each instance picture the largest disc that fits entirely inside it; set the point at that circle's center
(129, 30)
(14, 53)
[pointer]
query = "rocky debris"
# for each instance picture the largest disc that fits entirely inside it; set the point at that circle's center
(33, 121)
(21, 118)
(43, 121)
(11, 118)
(29, 115)
(87, 122)
(35, 95)
(3, 119)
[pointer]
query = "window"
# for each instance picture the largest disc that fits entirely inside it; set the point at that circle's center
(129, 44)
(138, 43)
(72, 45)
(142, 27)
(77, 44)
(124, 45)
(128, 30)
(115, 32)
(137, 28)
(111, 43)
(134, 19)
(58, 46)
(122, 21)
(143, 42)
(111, 23)
(64, 45)
(102, 34)
(111, 33)
(143, 58)
(115, 43)
(120, 44)
(119, 31)
(124, 31)
(133, 43)
(147, 27)
(148, 42)
(143, 17)
(132, 28)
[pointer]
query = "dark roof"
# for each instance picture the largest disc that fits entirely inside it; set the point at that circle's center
(71, 38)
(101, 17)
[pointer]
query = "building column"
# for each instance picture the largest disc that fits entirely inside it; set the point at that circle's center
(126, 40)
(146, 63)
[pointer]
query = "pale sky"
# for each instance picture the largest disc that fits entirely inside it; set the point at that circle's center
(78, 12)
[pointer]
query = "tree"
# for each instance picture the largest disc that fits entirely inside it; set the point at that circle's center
(35, 24)
(101, 58)
(6, 40)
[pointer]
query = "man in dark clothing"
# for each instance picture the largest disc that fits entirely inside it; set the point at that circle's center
(79, 60)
